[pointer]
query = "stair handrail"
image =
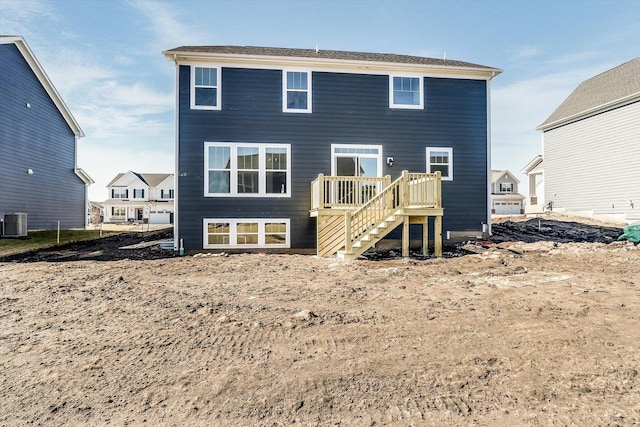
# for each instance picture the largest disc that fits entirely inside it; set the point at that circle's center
(408, 189)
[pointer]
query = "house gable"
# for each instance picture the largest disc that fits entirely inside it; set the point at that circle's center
(612, 89)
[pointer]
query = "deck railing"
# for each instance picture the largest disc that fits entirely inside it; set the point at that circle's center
(345, 192)
(411, 190)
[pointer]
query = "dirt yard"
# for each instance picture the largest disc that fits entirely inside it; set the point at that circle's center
(511, 333)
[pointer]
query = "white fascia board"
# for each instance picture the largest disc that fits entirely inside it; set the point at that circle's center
(621, 102)
(45, 81)
(84, 176)
(331, 65)
(530, 167)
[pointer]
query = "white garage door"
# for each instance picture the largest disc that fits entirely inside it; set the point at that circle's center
(507, 208)
(160, 218)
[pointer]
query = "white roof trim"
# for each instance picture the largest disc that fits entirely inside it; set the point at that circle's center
(592, 111)
(84, 176)
(330, 65)
(532, 165)
(44, 80)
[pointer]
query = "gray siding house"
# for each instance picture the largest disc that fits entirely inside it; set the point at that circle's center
(38, 137)
(505, 199)
(591, 146)
(282, 148)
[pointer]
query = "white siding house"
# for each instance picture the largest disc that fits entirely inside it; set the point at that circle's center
(591, 146)
(140, 197)
(534, 203)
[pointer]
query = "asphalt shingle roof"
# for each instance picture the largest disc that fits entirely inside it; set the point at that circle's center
(326, 54)
(615, 84)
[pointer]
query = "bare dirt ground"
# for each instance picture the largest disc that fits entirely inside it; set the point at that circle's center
(503, 333)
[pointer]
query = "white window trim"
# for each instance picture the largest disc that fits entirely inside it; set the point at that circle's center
(419, 106)
(262, 171)
(449, 150)
(309, 108)
(233, 223)
(335, 155)
(218, 86)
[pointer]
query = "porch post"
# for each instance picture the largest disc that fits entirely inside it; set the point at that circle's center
(437, 231)
(425, 236)
(347, 232)
(405, 236)
(321, 191)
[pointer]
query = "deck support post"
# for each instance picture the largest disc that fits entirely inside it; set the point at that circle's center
(437, 231)
(425, 236)
(347, 232)
(405, 237)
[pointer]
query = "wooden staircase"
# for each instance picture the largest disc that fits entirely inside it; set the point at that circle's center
(350, 231)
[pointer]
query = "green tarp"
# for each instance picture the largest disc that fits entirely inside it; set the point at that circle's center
(631, 233)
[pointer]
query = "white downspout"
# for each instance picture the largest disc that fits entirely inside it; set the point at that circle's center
(176, 174)
(489, 156)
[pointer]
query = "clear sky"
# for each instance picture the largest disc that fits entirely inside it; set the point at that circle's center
(104, 57)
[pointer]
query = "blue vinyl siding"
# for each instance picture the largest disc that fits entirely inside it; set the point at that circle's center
(40, 139)
(347, 109)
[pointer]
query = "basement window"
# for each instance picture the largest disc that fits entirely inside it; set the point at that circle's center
(246, 233)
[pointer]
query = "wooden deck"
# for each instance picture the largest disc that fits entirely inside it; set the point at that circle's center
(354, 213)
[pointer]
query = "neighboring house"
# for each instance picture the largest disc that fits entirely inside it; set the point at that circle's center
(39, 175)
(505, 199)
(535, 174)
(96, 213)
(140, 197)
(277, 148)
(591, 146)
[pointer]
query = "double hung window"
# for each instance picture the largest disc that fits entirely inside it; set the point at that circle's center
(406, 92)
(296, 97)
(440, 159)
(119, 193)
(506, 187)
(247, 170)
(205, 88)
(246, 233)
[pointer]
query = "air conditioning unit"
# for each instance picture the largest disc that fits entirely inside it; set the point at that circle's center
(15, 225)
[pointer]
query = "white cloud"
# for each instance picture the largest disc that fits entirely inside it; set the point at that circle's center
(526, 52)
(163, 22)
(17, 15)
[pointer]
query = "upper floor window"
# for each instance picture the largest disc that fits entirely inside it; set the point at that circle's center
(406, 92)
(119, 193)
(506, 187)
(296, 97)
(138, 193)
(246, 170)
(440, 159)
(166, 194)
(205, 88)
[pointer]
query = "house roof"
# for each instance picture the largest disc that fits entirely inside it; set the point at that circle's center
(151, 179)
(532, 165)
(613, 88)
(37, 69)
(497, 174)
(322, 56)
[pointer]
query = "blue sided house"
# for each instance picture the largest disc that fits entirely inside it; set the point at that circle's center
(39, 176)
(293, 149)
